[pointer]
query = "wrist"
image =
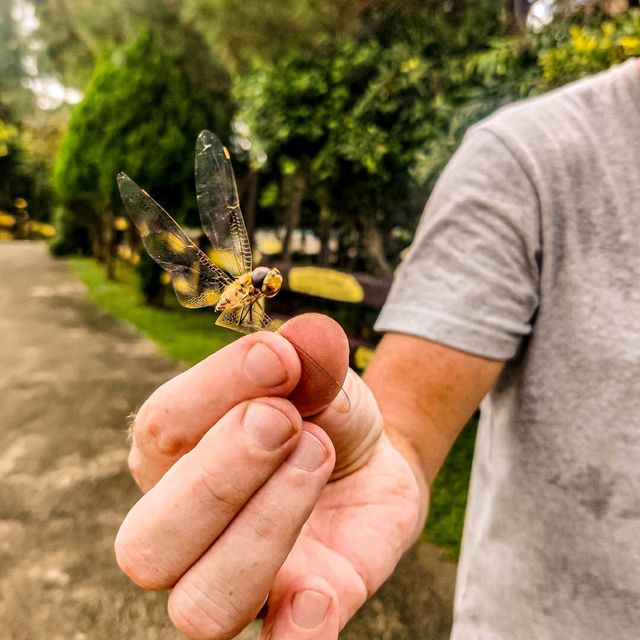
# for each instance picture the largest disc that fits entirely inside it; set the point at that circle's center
(411, 456)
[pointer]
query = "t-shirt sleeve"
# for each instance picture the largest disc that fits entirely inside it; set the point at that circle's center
(470, 279)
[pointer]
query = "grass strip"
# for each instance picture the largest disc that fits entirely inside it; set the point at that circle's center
(186, 335)
(449, 493)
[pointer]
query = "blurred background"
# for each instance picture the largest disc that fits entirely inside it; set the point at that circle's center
(339, 115)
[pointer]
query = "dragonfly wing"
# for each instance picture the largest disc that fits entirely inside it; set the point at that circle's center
(196, 281)
(219, 207)
(247, 318)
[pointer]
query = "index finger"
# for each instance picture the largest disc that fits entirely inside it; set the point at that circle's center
(176, 416)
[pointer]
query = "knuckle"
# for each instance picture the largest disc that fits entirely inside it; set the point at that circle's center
(139, 565)
(214, 486)
(133, 462)
(271, 522)
(203, 613)
(154, 429)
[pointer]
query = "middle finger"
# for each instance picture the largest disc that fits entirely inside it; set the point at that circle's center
(183, 514)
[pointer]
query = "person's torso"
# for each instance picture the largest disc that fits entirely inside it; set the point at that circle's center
(552, 534)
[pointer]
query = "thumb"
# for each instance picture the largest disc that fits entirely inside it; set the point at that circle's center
(323, 349)
(325, 359)
(307, 610)
(354, 433)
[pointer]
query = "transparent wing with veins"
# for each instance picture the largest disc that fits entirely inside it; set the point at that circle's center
(219, 207)
(196, 281)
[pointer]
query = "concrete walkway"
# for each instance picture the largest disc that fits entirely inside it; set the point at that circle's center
(69, 375)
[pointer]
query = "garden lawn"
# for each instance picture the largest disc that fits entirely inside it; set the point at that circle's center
(449, 493)
(186, 335)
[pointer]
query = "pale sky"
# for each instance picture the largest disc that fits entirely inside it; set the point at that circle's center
(49, 91)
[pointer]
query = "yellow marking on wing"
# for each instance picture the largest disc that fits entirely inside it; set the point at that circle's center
(210, 297)
(195, 273)
(143, 228)
(174, 242)
(182, 285)
(225, 259)
(226, 153)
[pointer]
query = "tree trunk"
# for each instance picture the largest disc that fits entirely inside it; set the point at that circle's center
(373, 244)
(324, 235)
(518, 10)
(297, 185)
(614, 7)
(108, 237)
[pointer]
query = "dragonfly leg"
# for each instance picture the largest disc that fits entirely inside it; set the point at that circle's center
(243, 314)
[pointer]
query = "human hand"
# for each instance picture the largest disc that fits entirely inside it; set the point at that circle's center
(239, 510)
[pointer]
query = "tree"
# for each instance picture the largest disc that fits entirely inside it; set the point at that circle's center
(14, 98)
(75, 34)
(242, 34)
(349, 123)
(591, 48)
(140, 114)
(10, 163)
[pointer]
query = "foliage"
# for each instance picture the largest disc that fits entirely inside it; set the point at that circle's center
(24, 172)
(8, 138)
(75, 35)
(358, 116)
(14, 99)
(350, 119)
(72, 237)
(140, 114)
(589, 49)
(187, 336)
(449, 493)
(241, 35)
(13, 173)
(373, 122)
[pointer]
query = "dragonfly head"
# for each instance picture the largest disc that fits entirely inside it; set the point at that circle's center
(267, 281)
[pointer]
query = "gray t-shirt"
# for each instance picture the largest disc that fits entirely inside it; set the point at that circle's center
(529, 251)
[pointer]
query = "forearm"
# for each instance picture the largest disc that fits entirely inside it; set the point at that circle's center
(427, 392)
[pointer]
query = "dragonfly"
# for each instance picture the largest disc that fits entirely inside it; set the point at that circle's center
(225, 278)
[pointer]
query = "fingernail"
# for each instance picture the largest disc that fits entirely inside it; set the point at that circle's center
(264, 367)
(309, 453)
(268, 427)
(309, 608)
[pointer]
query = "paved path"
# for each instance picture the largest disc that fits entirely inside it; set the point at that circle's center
(69, 375)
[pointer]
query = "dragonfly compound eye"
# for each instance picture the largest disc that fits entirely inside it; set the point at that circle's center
(258, 275)
(272, 283)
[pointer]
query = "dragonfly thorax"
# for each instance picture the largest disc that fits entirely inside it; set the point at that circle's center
(266, 281)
